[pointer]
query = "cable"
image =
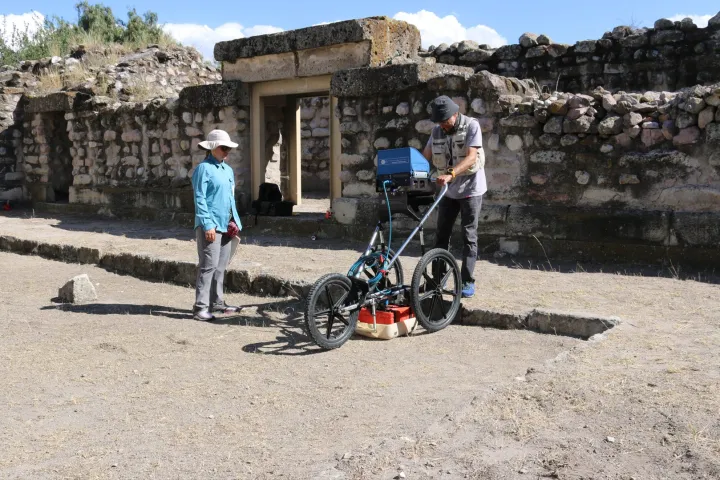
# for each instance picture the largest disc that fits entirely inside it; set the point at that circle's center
(363, 261)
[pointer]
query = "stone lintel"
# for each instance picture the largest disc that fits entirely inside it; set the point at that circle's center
(363, 82)
(225, 94)
(389, 38)
(54, 102)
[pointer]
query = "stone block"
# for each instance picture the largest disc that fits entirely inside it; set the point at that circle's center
(367, 82)
(548, 156)
(697, 229)
(570, 324)
(79, 290)
(712, 134)
(54, 102)
(687, 136)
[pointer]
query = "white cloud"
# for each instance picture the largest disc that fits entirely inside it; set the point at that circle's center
(31, 21)
(699, 20)
(204, 38)
(435, 30)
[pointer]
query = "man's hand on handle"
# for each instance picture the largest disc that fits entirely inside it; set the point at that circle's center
(443, 179)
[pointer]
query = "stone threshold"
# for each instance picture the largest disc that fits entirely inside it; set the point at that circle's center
(242, 281)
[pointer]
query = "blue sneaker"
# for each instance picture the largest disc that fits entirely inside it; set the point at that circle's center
(468, 289)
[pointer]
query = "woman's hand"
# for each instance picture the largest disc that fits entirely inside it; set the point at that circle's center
(210, 235)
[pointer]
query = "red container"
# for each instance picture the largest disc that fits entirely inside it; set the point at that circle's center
(393, 314)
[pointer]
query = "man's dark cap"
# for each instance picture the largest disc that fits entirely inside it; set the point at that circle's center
(443, 108)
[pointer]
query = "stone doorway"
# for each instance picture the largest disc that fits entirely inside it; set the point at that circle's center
(60, 160)
(278, 131)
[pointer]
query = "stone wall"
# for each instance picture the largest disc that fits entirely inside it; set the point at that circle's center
(550, 159)
(11, 177)
(315, 133)
(125, 76)
(668, 57)
(131, 155)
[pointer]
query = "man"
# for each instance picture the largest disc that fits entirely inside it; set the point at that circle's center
(455, 149)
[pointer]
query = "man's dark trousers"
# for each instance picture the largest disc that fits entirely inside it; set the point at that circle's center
(469, 210)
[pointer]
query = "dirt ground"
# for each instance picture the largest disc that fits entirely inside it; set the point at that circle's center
(131, 387)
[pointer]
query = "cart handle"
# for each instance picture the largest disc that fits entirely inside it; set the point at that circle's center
(442, 193)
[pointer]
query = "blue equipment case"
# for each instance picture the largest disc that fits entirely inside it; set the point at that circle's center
(404, 167)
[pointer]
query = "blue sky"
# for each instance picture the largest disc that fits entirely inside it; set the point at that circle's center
(206, 22)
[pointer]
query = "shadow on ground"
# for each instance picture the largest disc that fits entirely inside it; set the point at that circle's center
(676, 272)
(286, 316)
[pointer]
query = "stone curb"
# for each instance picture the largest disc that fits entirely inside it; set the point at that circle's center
(155, 269)
(552, 322)
(262, 284)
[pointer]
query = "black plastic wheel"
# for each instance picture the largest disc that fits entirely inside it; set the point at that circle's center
(327, 324)
(436, 290)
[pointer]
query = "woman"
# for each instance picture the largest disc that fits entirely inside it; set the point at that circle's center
(216, 223)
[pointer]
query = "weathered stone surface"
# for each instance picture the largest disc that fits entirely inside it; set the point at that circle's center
(712, 134)
(706, 116)
(54, 102)
(569, 139)
(664, 24)
(697, 229)
(514, 142)
(388, 39)
(663, 37)
(582, 177)
(554, 125)
(548, 156)
(528, 40)
(571, 324)
(467, 46)
(424, 126)
(558, 107)
(651, 137)
(585, 46)
(687, 136)
(224, 94)
(79, 290)
(544, 40)
(582, 125)
(632, 119)
(715, 21)
(508, 52)
(520, 121)
(610, 125)
(364, 82)
(694, 105)
(628, 179)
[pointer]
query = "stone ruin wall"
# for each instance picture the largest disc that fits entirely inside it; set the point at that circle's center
(11, 133)
(115, 77)
(649, 161)
(131, 156)
(668, 57)
(640, 168)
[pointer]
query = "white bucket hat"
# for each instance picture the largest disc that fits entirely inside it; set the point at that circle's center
(217, 138)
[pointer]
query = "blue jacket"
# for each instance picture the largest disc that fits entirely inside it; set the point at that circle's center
(214, 190)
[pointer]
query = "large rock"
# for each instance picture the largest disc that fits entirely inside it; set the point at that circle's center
(611, 125)
(714, 21)
(78, 290)
(528, 40)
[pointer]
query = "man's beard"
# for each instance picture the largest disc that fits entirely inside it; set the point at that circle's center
(454, 128)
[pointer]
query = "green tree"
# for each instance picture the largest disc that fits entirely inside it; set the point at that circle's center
(96, 24)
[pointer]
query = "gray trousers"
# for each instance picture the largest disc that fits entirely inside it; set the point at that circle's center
(213, 259)
(469, 210)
